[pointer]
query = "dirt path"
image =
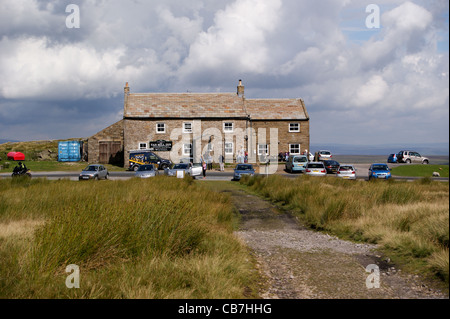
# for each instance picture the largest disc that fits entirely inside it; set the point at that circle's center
(298, 263)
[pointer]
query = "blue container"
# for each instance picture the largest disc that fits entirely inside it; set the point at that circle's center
(69, 151)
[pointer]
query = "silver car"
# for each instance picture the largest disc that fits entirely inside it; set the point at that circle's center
(346, 171)
(145, 171)
(315, 169)
(325, 155)
(94, 171)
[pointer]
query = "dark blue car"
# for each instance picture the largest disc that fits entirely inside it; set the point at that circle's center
(243, 169)
(392, 158)
(379, 171)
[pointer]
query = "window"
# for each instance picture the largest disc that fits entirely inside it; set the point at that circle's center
(294, 127)
(187, 149)
(263, 149)
(228, 148)
(294, 148)
(228, 127)
(160, 128)
(142, 145)
(187, 127)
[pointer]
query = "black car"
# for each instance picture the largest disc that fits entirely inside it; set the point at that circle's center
(331, 166)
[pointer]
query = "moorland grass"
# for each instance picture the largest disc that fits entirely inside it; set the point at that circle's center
(152, 238)
(409, 220)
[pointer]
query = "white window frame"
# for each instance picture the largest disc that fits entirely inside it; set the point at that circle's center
(187, 130)
(141, 147)
(189, 148)
(225, 148)
(157, 128)
(290, 148)
(266, 146)
(228, 130)
(294, 130)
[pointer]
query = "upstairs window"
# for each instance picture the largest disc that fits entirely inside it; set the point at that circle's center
(187, 127)
(160, 128)
(228, 127)
(294, 127)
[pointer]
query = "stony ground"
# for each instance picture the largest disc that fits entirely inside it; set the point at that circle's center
(297, 263)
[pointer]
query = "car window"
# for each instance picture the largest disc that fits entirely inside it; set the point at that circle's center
(346, 168)
(379, 167)
(90, 168)
(300, 159)
(145, 168)
(244, 167)
(315, 165)
(180, 166)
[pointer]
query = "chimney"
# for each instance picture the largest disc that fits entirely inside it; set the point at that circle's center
(126, 92)
(240, 89)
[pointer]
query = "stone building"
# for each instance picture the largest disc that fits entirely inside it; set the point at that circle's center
(204, 125)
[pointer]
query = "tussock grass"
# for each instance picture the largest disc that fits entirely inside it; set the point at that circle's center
(409, 220)
(140, 238)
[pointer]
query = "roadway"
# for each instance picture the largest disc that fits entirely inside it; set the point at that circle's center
(361, 174)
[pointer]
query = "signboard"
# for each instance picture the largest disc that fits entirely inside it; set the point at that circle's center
(160, 145)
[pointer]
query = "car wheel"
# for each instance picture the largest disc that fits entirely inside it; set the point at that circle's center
(408, 161)
(96, 177)
(135, 168)
(425, 162)
(107, 176)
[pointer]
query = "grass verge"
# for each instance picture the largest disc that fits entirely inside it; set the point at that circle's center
(420, 170)
(153, 238)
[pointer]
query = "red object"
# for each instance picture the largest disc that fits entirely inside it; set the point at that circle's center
(16, 156)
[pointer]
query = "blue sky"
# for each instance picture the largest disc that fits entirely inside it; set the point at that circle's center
(360, 85)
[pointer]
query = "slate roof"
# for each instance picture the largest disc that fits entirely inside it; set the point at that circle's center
(210, 105)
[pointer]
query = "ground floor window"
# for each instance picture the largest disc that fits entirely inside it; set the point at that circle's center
(263, 149)
(294, 148)
(187, 149)
(142, 145)
(228, 147)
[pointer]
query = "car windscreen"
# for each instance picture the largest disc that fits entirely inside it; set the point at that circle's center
(325, 153)
(244, 168)
(300, 159)
(180, 166)
(315, 165)
(346, 168)
(379, 167)
(145, 168)
(91, 168)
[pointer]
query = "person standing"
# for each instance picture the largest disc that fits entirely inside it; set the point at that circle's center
(221, 162)
(204, 169)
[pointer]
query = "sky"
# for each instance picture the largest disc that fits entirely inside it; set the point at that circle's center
(363, 83)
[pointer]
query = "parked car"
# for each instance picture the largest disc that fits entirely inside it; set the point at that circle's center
(180, 167)
(141, 157)
(94, 171)
(243, 169)
(145, 171)
(392, 158)
(379, 171)
(315, 169)
(296, 163)
(324, 155)
(411, 157)
(331, 166)
(346, 171)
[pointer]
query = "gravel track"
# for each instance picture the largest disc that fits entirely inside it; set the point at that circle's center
(298, 263)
